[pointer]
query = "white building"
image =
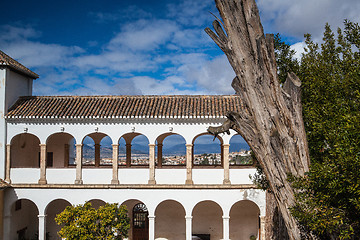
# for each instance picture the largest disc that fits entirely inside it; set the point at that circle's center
(37, 134)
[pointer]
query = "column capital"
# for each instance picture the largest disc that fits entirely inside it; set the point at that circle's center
(151, 217)
(226, 217)
(189, 145)
(8, 145)
(226, 145)
(42, 145)
(188, 217)
(78, 145)
(151, 145)
(115, 145)
(42, 215)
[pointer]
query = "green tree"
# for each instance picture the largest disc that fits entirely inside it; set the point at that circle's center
(83, 222)
(329, 197)
(285, 58)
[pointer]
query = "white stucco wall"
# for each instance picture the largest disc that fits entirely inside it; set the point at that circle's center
(2, 122)
(17, 85)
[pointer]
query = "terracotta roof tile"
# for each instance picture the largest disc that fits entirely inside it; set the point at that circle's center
(175, 106)
(6, 60)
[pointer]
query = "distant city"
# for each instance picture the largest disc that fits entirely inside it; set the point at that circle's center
(204, 154)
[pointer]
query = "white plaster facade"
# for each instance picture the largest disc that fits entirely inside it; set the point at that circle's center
(218, 201)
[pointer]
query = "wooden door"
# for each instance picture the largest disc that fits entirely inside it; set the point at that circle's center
(140, 222)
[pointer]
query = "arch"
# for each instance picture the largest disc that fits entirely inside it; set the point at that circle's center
(244, 220)
(207, 219)
(60, 149)
(52, 209)
(136, 149)
(93, 149)
(130, 204)
(171, 150)
(170, 220)
(25, 151)
(239, 152)
(24, 219)
(207, 150)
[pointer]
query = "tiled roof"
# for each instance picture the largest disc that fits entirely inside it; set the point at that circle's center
(6, 60)
(174, 106)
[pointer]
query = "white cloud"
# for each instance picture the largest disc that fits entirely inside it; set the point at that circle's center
(145, 35)
(215, 76)
(14, 33)
(299, 49)
(295, 18)
(192, 13)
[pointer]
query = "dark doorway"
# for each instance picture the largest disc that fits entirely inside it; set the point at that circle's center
(140, 222)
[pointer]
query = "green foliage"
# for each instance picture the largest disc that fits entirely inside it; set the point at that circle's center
(329, 197)
(83, 222)
(285, 58)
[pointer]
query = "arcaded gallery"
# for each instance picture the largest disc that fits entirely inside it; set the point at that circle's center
(67, 150)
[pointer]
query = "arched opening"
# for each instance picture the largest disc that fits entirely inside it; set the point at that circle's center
(122, 152)
(207, 220)
(25, 151)
(106, 151)
(207, 151)
(53, 208)
(60, 148)
(97, 150)
(239, 152)
(170, 220)
(171, 150)
(24, 220)
(136, 150)
(244, 220)
(139, 221)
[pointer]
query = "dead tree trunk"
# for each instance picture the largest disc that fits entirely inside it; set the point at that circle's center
(271, 121)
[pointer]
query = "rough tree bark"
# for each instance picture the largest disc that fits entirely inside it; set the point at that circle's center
(271, 121)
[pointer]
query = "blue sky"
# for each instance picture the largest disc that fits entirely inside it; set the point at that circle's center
(88, 47)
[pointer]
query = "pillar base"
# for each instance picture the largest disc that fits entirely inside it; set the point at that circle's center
(151, 182)
(189, 182)
(114, 181)
(78, 181)
(226, 181)
(42, 181)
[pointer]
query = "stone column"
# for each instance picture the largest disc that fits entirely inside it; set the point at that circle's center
(97, 155)
(6, 229)
(159, 155)
(151, 227)
(188, 220)
(42, 179)
(225, 151)
(8, 163)
(189, 163)
(128, 154)
(152, 164)
(226, 221)
(66, 155)
(115, 166)
(78, 179)
(42, 227)
(262, 228)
